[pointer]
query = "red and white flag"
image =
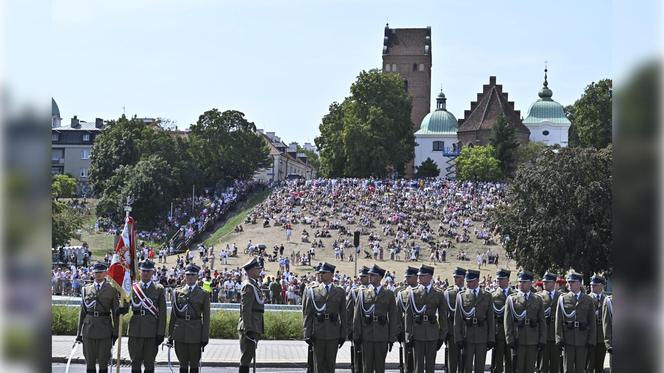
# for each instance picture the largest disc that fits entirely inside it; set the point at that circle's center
(122, 265)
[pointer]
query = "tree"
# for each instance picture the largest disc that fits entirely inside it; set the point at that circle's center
(526, 154)
(370, 132)
(428, 168)
(572, 135)
(65, 223)
(226, 146)
(557, 212)
(478, 163)
(148, 183)
(504, 142)
(63, 186)
(592, 115)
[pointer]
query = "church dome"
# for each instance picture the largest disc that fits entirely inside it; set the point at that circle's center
(545, 109)
(439, 121)
(55, 110)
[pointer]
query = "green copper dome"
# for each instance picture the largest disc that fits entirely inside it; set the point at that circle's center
(545, 109)
(439, 121)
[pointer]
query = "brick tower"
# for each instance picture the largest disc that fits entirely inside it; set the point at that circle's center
(407, 51)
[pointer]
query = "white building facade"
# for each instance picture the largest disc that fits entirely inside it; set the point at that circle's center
(437, 138)
(546, 119)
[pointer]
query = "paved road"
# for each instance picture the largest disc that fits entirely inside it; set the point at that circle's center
(291, 356)
(79, 368)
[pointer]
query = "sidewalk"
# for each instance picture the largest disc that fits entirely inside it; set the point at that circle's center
(226, 352)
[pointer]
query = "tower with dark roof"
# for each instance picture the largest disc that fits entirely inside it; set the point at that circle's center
(476, 126)
(407, 51)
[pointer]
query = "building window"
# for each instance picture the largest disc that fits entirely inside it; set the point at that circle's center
(414, 67)
(545, 133)
(86, 137)
(85, 154)
(438, 146)
(84, 172)
(387, 67)
(55, 136)
(56, 170)
(405, 85)
(421, 67)
(394, 67)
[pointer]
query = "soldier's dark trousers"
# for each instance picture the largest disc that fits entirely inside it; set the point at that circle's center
(550, 359)
(574, 359)
(142, 351)
(97, 351)
(452, 354)
(425, 356)
(409, 360)
(189, 355)
(596, 359)
(475, 357)
(358, 359)
(503, 361)
(325, 355)
(373, 357)
(526, 358)
(247, 349)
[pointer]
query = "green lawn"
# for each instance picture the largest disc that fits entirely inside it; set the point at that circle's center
(237, 218)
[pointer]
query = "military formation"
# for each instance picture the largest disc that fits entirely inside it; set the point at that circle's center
(553, 330)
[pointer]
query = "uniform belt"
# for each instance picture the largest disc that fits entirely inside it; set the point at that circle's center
(326, 316)
(188, 317)
(576, 325)
(141, 312)
(98, 314)
(419, 318)
(474, 321)
(527, 322)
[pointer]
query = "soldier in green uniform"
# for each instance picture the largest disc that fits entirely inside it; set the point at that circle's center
(607, 327)
(98, 320)
(525, 325)
(575, 325)
(375, 322)
(275, 291)
(363, 275)
(450, 296)
(252, 310)
(147, 324)
(403, 303)
(426, 320)
(474, 324)
(597, 353)
(549, 358)
(501, 354)
(325, 319)
(189, 325)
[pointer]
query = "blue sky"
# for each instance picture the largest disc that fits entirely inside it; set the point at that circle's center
(283, 62)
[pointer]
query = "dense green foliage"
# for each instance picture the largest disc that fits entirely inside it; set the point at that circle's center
(504, 142)
(591, 116)
(557, 213)
(223, 324)
(65, 223)
(428, 168)
(369, 133)
(63, 186)
(478, 163)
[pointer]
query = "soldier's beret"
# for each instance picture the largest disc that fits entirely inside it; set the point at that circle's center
(425, 270)
(325, 267)
(573, 276)
(460, 272)
(147, 265)
(472, 274)
(548, 276)
(364, 271)
(597, 279)
(503, 273)
(192, 269)
(99, 267)
(410, 271)
(253, 263)
(376, 270)
(526, 275)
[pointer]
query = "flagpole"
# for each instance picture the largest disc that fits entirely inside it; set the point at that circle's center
(122, 300)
